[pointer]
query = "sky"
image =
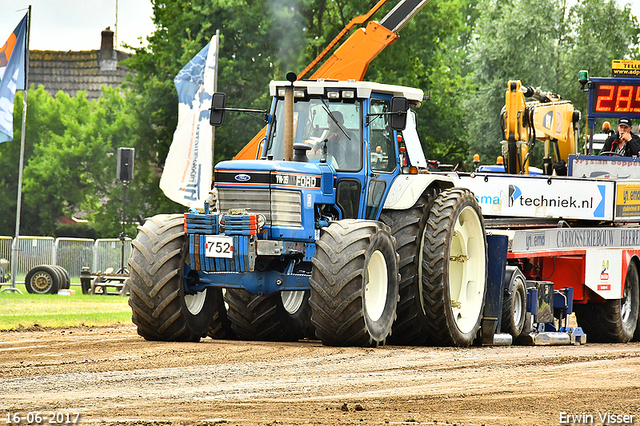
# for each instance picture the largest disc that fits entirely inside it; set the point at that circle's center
(77, 24)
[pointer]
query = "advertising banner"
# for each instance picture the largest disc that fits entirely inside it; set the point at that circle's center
(541, 196)
(597, 167)
(628, 201)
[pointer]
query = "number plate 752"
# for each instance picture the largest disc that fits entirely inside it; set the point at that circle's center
(219, 246)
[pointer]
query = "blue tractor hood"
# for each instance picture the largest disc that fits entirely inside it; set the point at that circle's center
(287, 193)
(276, 175)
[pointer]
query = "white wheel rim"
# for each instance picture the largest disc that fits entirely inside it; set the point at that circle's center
(376, 285)
(625, 308)
(41, 282)
(195, 302)
(518, 312)
(292, 300)
(420, 260)
(467, 270)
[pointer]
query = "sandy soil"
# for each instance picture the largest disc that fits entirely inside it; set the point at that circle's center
(113, 376)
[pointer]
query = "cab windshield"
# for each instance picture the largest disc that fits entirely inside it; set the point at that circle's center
(335, 127)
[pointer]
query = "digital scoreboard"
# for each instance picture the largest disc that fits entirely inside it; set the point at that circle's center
(621, 98)
(614, 97)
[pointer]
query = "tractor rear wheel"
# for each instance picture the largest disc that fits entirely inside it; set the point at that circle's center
(454, 268)
(408, 228)
(614, 321)
(354, 284)
(280, 317)
(162, 308)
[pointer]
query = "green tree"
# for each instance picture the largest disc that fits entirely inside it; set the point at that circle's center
(43, 120)
(604, 32)
(542, 44)
(69, 162)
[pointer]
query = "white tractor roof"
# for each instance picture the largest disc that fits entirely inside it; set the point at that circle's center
(363, 88)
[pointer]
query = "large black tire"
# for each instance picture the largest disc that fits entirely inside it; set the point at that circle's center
(514, 303)
(65, 281)
(161, 308)
(278, 317)
(454, 268)
(58, 272)
(354, 284)
(408, 227)
(220, 327)
(42, 279)
(614, 321)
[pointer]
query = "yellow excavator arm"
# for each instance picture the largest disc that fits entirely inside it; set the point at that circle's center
(351, 59)
(515, 131)
(548, 118)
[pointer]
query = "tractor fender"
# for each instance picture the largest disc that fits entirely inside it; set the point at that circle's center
(407, 189)
(508, 275)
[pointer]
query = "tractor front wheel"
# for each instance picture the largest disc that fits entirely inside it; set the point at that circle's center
(162, 308)
(354, 284)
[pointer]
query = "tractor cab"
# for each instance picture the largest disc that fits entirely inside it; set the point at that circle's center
(343, 140)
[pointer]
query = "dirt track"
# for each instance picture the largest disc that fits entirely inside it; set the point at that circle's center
(112, 376)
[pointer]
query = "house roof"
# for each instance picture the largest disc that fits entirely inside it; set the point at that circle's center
(75, 71)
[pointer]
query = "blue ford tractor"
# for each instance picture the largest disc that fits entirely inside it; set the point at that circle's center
(337, 232)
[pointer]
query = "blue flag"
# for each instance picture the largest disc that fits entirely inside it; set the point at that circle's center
(12, 76)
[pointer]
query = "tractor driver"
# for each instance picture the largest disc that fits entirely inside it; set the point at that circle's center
(623, 143)
(336, 140)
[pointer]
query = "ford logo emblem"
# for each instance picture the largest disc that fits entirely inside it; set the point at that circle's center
(243, 178)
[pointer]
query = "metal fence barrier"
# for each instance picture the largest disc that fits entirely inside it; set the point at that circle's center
(71, 253)
(34, 251)
(5, 255)
(5, 247)
(107, 253)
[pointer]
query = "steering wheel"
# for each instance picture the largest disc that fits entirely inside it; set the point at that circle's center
(611, 154)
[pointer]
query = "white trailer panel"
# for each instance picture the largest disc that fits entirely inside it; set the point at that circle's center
(603, 273)
(541, 196)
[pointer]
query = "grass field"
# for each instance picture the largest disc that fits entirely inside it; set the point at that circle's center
(51, 310)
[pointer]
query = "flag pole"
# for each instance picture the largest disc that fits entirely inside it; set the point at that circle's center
(14, 246)
(215, 89)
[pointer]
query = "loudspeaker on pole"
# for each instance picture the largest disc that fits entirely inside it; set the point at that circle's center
(125, 164)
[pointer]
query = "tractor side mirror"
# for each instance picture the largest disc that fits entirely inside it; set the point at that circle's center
(218, 104)
(399, 108)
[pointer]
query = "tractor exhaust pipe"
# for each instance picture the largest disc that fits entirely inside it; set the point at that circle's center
(288, 118)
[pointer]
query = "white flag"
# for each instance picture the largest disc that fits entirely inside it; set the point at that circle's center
(187, 174)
